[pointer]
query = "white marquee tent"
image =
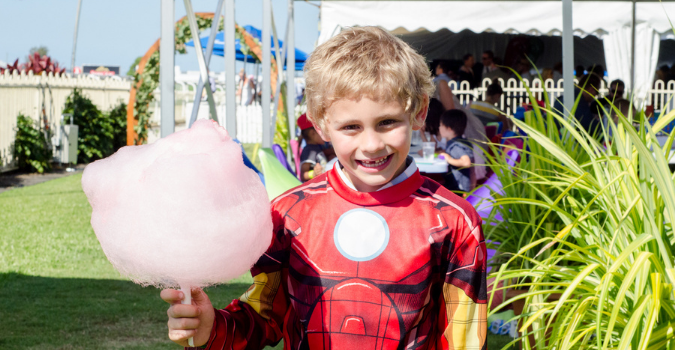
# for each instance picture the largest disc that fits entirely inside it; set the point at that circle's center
(609, 20)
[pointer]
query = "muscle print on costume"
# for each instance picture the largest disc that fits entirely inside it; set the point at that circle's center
(403, 267)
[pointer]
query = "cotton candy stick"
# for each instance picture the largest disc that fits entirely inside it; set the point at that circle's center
(187, 300)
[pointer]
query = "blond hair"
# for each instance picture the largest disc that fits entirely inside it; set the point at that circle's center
(365, 61)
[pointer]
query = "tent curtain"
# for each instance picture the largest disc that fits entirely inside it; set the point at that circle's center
(618, 56)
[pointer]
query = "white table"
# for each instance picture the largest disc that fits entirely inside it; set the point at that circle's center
(437, 166)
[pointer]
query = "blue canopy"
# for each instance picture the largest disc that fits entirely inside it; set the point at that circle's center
(218, 47)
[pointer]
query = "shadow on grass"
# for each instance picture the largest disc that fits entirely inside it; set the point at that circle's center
(73, 313)
(78, 313)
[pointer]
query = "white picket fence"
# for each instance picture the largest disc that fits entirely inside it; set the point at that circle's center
(43, 97)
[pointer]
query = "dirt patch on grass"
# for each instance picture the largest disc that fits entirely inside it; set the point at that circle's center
(17, 179)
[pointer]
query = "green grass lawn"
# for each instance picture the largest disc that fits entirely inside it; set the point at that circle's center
(57, 289)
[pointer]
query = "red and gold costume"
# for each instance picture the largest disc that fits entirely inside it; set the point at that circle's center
(400, 268)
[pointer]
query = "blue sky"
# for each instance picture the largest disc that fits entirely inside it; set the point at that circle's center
(116, 32)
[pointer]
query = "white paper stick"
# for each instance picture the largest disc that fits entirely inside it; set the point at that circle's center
(187, 300)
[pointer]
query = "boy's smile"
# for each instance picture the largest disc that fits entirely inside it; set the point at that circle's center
(371, 139)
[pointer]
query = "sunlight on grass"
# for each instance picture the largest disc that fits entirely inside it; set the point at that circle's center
(60, 292)
(58, 289)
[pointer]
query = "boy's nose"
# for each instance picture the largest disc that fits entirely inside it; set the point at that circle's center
(372, 142)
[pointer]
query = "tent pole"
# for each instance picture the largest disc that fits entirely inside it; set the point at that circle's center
(230, 93)
(266, 71)
(209, 51)
(290, 74)
(166, 68)
(568, 56)
(203, 67)
(77, 26)
(632, 51)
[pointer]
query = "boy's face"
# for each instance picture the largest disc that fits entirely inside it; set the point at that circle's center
(446, 132)
(371, 139)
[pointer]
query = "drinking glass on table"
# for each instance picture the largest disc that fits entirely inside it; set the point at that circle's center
(428, 149)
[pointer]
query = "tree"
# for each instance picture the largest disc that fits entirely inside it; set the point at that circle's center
(41, 50)
(132, 68)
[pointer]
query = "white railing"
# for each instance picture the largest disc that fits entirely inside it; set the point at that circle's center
(515, 93)
(43, 97)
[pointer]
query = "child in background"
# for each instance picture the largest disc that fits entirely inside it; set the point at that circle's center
(458, 151)
(370, 254)
(432, 122)
(312, 159)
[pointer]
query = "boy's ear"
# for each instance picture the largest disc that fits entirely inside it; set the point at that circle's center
(418, 121)
(323, 135)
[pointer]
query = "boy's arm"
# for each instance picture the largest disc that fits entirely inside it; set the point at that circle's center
(256, 319)
(306, 173)
(463, 162)
(464, 318)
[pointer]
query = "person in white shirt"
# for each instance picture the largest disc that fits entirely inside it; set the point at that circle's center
(245, 89)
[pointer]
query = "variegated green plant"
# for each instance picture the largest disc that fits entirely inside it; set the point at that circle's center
(589, 235)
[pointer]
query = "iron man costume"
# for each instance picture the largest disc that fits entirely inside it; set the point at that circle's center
(401, 268)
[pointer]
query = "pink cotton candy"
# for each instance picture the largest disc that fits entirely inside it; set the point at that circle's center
(184, 211)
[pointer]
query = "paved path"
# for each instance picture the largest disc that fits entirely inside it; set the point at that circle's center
(16, 179)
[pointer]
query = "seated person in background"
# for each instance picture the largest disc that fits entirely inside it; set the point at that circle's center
(602, 105)
(458, 151)
(586, 111)
(443, 93)
(624, 106)
(432, 122)
(490, 69)
(312, 158)
(486, 110)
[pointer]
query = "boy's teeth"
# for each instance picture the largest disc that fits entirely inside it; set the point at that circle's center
(374, 164)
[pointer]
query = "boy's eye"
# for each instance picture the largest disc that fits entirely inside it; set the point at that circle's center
(350, 127)
(388, 122)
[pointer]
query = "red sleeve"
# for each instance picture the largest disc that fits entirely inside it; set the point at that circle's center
(463, 320)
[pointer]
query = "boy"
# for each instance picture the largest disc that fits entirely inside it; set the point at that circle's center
(458, 151)
(370, 254)
(312, 154)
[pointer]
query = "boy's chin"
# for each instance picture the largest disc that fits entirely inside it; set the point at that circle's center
(372, 182)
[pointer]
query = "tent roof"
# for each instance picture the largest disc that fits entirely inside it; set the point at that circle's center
(219, 47)
(527, 17)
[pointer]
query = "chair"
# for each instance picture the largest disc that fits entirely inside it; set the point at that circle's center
(277, 177)
(490, 131)
(514, 141)
(281, 157)
(497, 124)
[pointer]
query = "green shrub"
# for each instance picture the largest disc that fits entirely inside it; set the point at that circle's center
(31, 149)
(118, 118)
(95, 130)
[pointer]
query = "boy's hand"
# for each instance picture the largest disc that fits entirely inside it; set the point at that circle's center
(187, 321)
(318, 169)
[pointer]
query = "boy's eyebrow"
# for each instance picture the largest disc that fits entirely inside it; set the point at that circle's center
(378, 118)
